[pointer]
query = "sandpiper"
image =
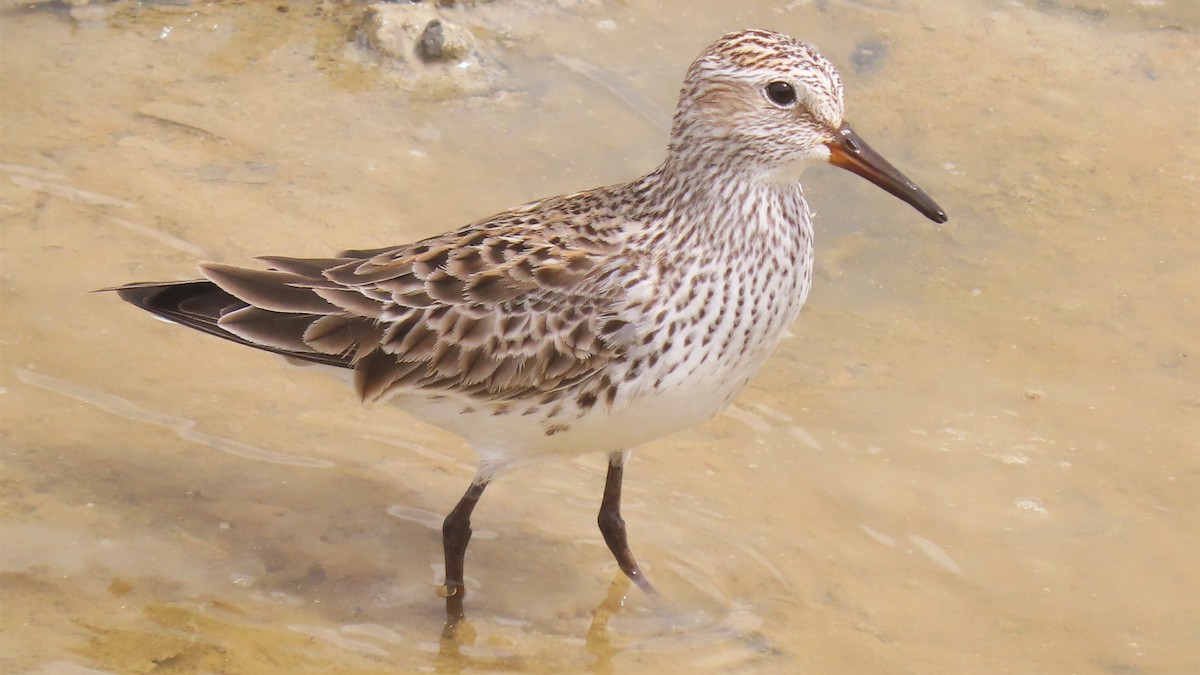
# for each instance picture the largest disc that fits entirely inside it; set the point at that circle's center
(593, 321)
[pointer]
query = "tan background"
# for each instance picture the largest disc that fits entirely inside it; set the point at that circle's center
(978, 452)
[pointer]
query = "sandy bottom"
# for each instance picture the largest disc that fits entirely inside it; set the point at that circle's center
(978, 452)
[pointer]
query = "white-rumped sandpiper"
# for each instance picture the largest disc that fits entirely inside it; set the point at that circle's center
(587, 322)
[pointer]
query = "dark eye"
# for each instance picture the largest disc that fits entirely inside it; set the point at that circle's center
(781, 93)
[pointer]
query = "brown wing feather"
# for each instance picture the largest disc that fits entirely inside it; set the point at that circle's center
(500, 309)
(201, 304)
(480, 312)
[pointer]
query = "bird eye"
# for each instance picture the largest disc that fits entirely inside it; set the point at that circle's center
(781, 94)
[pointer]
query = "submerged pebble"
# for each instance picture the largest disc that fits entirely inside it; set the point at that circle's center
(868, 56)
(419, 45)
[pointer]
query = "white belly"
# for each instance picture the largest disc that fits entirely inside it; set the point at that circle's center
(511, 438)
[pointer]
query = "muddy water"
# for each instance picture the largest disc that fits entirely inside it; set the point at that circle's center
(977, 452)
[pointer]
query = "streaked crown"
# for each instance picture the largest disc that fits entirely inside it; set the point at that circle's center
(758, 96)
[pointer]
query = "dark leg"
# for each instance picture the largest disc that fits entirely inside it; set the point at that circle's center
(612, 525)
(456, 533)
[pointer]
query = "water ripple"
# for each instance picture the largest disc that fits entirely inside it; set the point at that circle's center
(182, 427)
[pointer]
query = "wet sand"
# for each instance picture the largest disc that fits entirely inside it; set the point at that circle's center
(977, 452)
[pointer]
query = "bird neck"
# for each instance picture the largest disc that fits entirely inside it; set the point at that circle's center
(692, 206)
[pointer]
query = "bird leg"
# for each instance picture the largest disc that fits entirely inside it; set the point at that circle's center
(456, 533)
(612, 525)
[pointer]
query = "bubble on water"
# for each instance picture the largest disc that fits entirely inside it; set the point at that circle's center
(1031, 506)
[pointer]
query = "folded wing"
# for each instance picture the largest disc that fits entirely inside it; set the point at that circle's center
(479, 312)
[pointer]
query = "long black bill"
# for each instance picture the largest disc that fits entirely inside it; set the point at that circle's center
(852, 153)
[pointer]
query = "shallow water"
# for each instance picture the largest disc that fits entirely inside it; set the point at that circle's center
(977, 452)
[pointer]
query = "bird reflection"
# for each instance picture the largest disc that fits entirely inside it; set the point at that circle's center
(457, 634)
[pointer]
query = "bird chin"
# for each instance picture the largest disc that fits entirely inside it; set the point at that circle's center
(789, 173)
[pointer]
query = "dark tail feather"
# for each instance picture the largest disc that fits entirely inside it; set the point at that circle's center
(199, 305)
